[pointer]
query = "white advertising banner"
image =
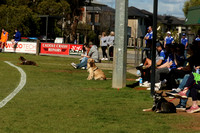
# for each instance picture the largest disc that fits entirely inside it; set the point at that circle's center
(22, 47)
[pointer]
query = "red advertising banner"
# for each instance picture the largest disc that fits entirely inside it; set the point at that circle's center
(54, 48)
(76, 49)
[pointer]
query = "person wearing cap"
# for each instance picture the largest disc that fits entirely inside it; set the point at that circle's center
(148, 40)
(168, 39)
(184, 40)
(145, 68)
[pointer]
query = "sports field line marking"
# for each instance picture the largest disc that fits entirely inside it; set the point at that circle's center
(19, 87)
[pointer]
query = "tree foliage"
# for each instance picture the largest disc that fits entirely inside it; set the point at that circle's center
(24, 14)
(190, 3)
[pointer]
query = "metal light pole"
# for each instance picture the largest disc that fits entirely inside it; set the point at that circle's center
(120, 48)
(155, 12)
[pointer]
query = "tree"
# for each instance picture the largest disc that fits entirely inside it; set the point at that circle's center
(188, 4)
(73, 17)
(20, 17)
(53, 8)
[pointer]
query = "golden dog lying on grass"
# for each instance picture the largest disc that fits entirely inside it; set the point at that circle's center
(94, 71)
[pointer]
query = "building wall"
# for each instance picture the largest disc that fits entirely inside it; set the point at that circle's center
(133, 23)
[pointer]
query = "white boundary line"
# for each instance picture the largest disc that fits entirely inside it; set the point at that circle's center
(19, 87)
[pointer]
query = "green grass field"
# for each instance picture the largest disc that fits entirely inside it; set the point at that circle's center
(59, 99)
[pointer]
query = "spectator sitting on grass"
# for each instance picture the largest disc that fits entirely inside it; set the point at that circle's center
(93, 53)
(86, 50)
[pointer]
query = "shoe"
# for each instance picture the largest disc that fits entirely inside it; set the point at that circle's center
(193, 109)
(146, 84)
(182, 94)
(102, 59)
(73, 65)
(83, 68)
(158, 84)
(176, 89)
(173, 93)
(156, 88)
(180, 107)
(106, 58)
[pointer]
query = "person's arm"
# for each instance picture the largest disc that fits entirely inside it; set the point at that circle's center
(186, 45)
(165, 42)
(166, 64)
(146, 37)
(159, 62)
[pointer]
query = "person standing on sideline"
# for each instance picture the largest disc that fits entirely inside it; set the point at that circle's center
(17, 38)
(104, 45)
(148, 40)
(184, 41)
(4, 38)
(168, 39)
(111, 40)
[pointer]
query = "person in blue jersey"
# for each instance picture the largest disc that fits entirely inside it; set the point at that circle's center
(184, 40)
(168, 39)
(180, 72)
(148, 40)
(145, 68)
(170, 63)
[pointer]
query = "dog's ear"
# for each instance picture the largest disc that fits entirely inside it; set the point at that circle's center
(91, 63)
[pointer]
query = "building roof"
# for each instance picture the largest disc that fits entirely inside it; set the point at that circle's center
(193, 16)
(170, 20)
(135, 12)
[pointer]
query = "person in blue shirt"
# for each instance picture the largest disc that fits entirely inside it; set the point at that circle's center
(184, 40)
(17, 38)
(148, 40)
(168, 39)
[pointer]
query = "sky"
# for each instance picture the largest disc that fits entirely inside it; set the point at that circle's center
(167, 7)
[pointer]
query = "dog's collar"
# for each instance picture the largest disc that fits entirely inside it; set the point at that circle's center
(95, 69)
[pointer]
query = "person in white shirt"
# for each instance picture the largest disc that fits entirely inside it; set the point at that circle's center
(111, 40)
(104, 45)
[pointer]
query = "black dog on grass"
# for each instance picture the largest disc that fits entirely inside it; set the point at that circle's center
(25, 62)
(161, 105)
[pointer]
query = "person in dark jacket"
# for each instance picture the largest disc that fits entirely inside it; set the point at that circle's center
(17, 38)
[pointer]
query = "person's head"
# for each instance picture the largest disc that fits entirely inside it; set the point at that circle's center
(183, 35)
(168, 33)
(173, 47)
(3, 30)
(16, 30)
(103, 34)
(159, 46)
(112, 33)
(149, 29)
(90, 44)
